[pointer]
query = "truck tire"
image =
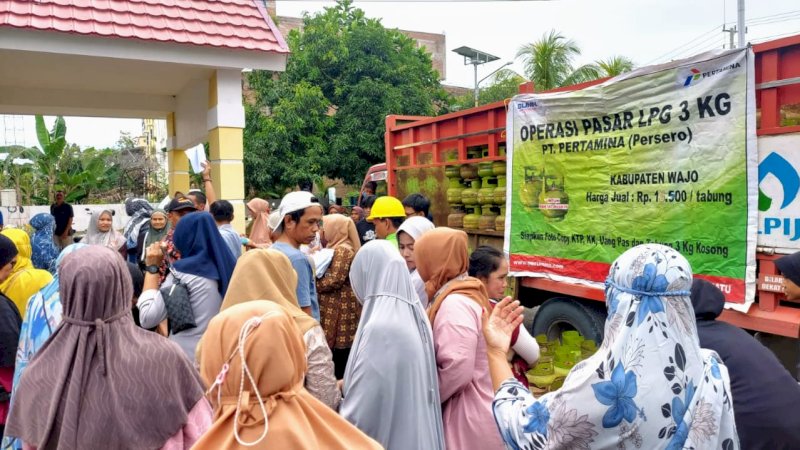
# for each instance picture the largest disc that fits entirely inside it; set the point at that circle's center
(560, 314)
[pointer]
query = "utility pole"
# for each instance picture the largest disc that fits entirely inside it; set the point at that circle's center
(739, 29)
(740, 23)
(731, 32)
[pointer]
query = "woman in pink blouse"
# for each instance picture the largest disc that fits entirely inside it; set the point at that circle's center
(457, 303)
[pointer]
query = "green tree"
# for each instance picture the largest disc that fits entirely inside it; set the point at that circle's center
(325, 114)
(52, 144)
(504, 84)
(289, 145)
(549, 62)
(91, 176)
(613, 66)
(17, 171)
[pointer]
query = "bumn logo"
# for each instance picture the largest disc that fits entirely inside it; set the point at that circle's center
(783, 170)
(696, 74)
(693, 77)
(779, 225)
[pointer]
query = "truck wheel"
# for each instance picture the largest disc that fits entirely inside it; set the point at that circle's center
(557, 315)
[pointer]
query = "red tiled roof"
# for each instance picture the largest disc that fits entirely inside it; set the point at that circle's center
(236, 24)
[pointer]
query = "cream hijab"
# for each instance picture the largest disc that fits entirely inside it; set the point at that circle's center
(442, 257)
(266, 274)
(254, 360)
(340, 230)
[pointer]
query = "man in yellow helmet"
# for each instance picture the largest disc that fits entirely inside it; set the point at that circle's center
(387, 215)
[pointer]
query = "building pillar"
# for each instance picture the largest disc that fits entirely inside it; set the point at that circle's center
(225, 140)
(177, 162)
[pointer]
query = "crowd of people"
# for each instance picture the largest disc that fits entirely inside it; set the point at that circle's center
(365, 329)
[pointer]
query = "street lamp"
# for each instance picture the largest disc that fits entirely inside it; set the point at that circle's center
(475, 58)
(487, 76)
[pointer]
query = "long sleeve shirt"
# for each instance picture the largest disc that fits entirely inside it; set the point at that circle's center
(465, 386)
(320, 379)
(204, 298)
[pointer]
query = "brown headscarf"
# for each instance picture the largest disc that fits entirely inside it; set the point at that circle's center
(275, 356)
(266, 274)
(101, 381)
(336, 209)
(340, 230)
(360, 211)
(259, 233)
(442, 261)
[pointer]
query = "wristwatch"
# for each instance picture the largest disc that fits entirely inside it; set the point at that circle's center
(151, 269)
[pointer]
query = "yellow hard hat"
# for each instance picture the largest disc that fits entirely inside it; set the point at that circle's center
(385, 207)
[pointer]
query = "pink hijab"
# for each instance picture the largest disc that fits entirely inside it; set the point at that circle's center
(259, 233)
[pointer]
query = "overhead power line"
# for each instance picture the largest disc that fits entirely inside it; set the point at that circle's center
(770, 18)
(774, 36)
(680, 48)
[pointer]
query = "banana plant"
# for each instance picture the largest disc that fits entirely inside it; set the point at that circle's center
(17, 168)
(52, 144)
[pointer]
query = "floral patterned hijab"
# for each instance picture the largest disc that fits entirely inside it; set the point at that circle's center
(650, 385)
(45, 250)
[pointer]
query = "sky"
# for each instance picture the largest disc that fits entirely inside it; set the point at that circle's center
(647, 31)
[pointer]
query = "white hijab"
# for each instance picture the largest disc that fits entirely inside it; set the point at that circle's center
(111, 238)
(391, 372)
(650, 385)
(415, 227)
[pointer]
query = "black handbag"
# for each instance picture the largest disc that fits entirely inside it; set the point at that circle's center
(179, 309)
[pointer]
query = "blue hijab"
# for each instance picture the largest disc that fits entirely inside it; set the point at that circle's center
(203, 250)
(45, 250)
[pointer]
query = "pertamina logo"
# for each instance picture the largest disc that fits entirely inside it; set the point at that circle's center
(695, 75)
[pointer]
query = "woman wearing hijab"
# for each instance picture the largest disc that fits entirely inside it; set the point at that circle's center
(259, 233)
(139, 211)
(44, 250)
(267, 274)
(489, 265)
(25, 280)
(408, 233)
(650, 385)
(457, 302)
(43, 315)
(764, 405)
(391, 389)
(338, 306)
(253, 360)
(205, 268)
(156, 232)
(9, 328)
(85, 390)
(101, 232)
(336, 209)
(356, 214)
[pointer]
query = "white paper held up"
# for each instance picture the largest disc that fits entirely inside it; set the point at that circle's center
(196, 155)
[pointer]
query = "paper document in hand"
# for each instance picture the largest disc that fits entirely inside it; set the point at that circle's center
(196, 155)
(322, 259)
